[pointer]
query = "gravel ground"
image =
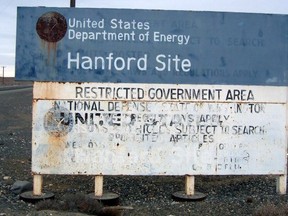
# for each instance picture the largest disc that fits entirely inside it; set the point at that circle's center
(226, 195)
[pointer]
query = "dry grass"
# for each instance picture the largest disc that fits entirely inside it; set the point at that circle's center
(272, 210)
(73, 203)
(10, 81)
(83, 204)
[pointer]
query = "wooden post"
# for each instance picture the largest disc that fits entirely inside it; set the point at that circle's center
(281, 182)
(99, 185)
(36, 195)
(106, 198)
(189, 185)
(37, 185)
(189, 193)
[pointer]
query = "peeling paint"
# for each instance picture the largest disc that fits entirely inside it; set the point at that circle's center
(157, 137)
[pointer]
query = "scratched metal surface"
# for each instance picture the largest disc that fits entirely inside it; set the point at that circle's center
(74, 135)
(220, 48)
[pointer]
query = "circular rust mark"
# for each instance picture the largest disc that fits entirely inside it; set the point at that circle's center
(51, 27)
(58, 121)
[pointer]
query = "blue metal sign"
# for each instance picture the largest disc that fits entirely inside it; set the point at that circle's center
(151, 46)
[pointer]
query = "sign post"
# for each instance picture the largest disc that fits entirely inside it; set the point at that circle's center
(143, 92)
(98, 186)
(72, 3)
(37, 185)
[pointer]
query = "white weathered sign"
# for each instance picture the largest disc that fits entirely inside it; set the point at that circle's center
(132, 129)
(168, 95)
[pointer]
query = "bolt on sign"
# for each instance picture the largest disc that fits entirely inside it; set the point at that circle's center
(144, 92)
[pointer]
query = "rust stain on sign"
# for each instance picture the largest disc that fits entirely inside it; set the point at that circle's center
(57, 123)
(48, 47)
(87, 131)
(53, 156)
(51, 28)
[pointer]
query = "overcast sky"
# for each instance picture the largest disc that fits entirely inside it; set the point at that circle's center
(9, 10)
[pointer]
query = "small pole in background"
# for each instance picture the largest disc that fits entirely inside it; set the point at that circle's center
(72, 3)
(3, 81)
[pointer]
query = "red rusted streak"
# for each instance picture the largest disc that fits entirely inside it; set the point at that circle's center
(47, 90)
(54, 154)
(50, 49)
